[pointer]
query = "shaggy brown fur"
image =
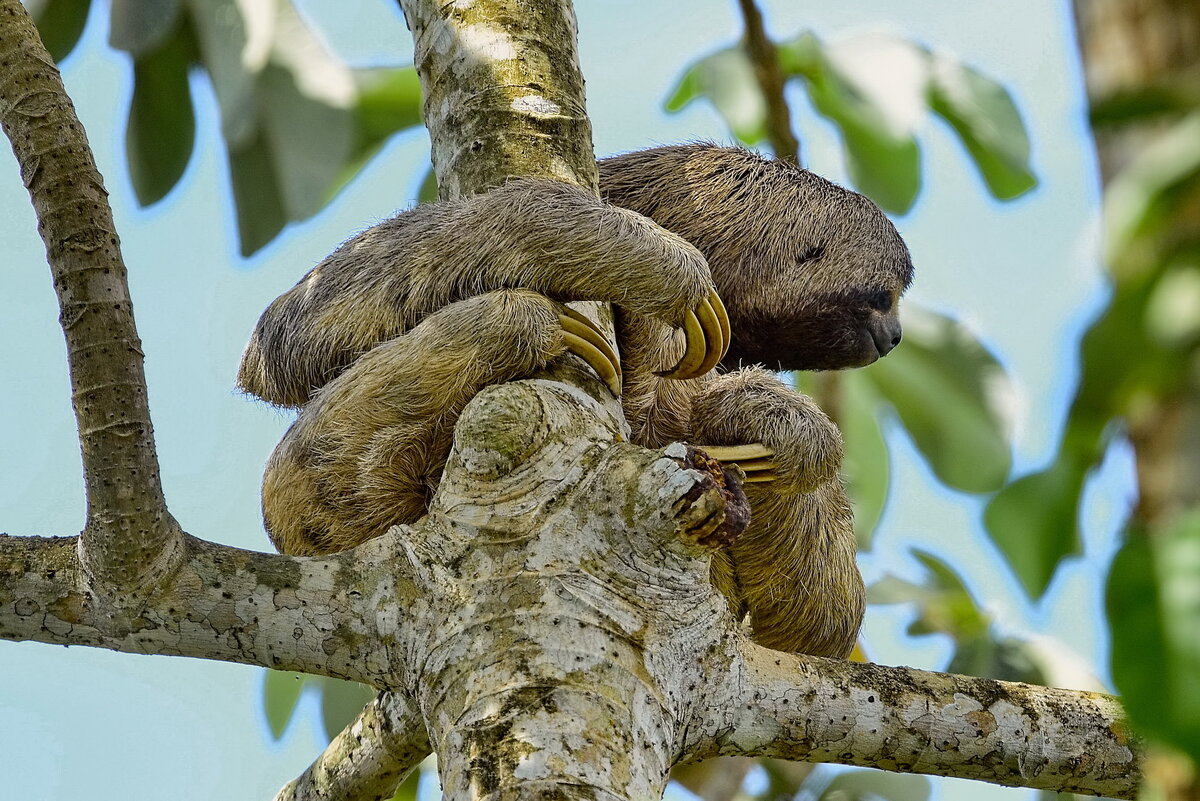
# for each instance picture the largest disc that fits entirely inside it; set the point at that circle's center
(388, 340)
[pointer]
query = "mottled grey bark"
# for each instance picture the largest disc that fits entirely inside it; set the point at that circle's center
(129, 540)
(916, 721)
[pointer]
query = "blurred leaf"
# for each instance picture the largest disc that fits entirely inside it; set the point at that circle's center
(308, 140)
(139, 26)
(876, 89)
(389, 100)
(983, 114)
(341, 701)
(59, 23)
(727, 79)
(1033, 522)
(1153, 602)
(222, 38)
(883, 160)
(281, 694)
(945, 606)
(869, 785)
(407, 791)
(865, 462)
(1171, 96)
(945, 387)
(1158, 190)
(428, 193)
(256, 196)
(161, 130)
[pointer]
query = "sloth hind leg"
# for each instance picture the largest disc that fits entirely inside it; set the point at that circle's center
(367, 451)
(793, 570)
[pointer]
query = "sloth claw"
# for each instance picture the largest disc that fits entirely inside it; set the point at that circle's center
(754, 460)
(585, 340)
(707, 334)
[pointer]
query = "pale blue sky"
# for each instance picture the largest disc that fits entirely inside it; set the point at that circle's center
(86, 723)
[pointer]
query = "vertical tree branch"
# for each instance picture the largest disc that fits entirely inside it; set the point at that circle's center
(761, 50)
(503, 92)
(129, 538)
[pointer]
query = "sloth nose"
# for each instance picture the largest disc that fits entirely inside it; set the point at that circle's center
(887, 336)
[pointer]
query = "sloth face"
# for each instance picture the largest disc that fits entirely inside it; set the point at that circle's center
(810, 272)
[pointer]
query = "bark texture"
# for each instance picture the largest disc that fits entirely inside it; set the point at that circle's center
(129, 540)
(337, 616)
(503, 92)
(915, 721)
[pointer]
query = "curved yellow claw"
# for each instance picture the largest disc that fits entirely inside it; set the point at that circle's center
(755, 460)
(707, 335)
(585, 340)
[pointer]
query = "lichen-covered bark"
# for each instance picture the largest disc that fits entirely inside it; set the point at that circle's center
(336, 616)
(129, 539)
(916, 721)
(503, 92)
(371, 756)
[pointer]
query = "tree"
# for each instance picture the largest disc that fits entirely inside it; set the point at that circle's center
(164, 533)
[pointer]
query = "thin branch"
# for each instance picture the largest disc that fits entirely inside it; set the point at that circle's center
(130, 539)
(371, 756)
(761, 51)
(915, 721)
(338, 616)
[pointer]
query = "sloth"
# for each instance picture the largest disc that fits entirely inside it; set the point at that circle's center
(712, 257)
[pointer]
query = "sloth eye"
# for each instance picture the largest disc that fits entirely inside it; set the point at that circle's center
(810, 253)
(880, 301)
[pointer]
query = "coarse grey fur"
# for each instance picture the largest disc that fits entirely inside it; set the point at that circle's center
(386, 340)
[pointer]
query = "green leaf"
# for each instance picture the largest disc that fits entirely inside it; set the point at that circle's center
(161, 130)
(869, 785)
(139, 26)
(59, 23)
(341, 701)
(407, 791)
(1153, 602)
(389, 100)
(727, 79)
(1034, 522)
(308, 140)
(221, 38)
(281, 694)
(882, 157)
(984, 116)
(256, 196)
(428, 193)
(946, 389)
(865, 460)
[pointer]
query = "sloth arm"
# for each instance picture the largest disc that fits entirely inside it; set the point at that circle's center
(367, 451)
(543, 235)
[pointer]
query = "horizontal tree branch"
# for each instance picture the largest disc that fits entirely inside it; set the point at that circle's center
(340, 615)
(369, 759)
(916, 721)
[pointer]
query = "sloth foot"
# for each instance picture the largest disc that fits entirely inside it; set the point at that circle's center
(707, 331)
(582, 338)
(755, 460)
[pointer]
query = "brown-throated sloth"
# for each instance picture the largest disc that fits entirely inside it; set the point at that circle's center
(385, 341)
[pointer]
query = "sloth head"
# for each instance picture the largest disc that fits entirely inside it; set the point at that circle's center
(811, 273)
